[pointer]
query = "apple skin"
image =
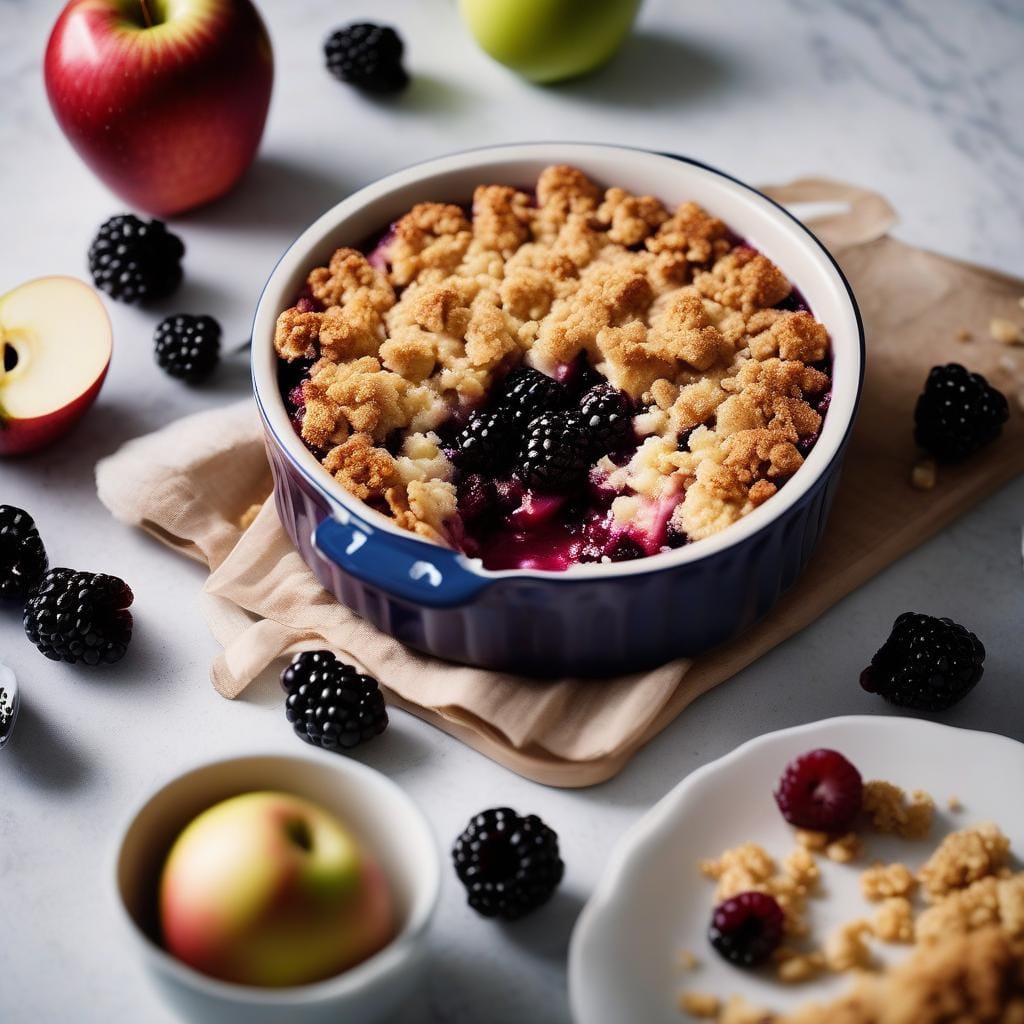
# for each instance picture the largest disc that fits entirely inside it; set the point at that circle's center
(170, 116)
(550, 40)
(243, 900)
(26, 434)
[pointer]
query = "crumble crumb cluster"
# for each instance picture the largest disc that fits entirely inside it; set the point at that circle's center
(667, 305)
(968, 958)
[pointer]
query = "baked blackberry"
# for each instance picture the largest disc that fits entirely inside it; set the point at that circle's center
(606, 417)
(821, 791)
(528, 393)
(509, 864)
(927, 663)
(958, 413)
(80, 617)
(554, 457)
(330, 704)
(747, 929)
(22, 555)
(187, 347)
(483, 443)
(367, 56)
(136, 261)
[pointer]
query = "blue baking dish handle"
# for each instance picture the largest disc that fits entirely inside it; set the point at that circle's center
(422, 573)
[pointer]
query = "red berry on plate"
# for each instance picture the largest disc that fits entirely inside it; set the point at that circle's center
(821, 791)
(747, 929)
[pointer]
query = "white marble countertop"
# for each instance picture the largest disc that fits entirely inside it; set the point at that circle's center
(919, 99)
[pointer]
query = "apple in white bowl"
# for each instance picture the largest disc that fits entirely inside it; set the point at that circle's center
(55, 346)
(164, 99)
(549, 40)
(270, 889)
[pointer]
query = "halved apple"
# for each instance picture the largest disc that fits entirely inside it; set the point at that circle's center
(55, 343)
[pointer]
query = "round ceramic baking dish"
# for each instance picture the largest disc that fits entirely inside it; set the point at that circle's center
(589, 619)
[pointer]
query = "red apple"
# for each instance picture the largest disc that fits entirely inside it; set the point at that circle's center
(164, 99)
(269, 889)
(55, 343)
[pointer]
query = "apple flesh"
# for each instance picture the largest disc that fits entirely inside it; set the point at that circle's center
(164, 99)
(55, 344)
(268, 889)
(550, 40)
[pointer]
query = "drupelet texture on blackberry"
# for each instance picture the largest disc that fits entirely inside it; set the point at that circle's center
(484, 442)
(747, 928)
(188, 347)
(927, 663)
(958, 413)
(554, 456)
(606, 418)
(528, 393)
(133, 260)
(509, 864)
(821, 791)
(80, 617)
(22, 555)
(330, 704)
(367, 56)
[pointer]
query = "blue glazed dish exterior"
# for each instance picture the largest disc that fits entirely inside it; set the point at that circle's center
(551, 624)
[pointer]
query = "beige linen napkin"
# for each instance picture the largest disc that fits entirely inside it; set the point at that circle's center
(192, 484)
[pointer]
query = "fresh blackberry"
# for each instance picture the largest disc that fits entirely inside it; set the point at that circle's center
(367, 56)
(554, 456)
(508, 864)
(747, 929)
(606, 417)
(821, 791)
(958, 413)
(528, 393)
(927, 663)
(80, 617)
(10, 702)
(133, 260)
(22, 555)
(483, 443)
(188, 347)
(330, 704)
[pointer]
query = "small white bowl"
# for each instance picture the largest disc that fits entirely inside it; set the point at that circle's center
(383, 817)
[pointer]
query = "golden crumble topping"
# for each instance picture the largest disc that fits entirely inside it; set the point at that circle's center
(890, 809)
(880, 881)
(964, 857)
(666, 304)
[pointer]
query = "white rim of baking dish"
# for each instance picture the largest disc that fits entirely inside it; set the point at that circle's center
(770, 228)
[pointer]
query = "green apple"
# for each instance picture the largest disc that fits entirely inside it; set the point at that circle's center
(549, 40)
(268, 889)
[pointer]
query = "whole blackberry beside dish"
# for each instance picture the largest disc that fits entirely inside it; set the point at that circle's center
(509, 864)
(606, 418)
(80, 617)
(22, 555)
(958, 413)
(554, 456)
(747, 929)
(136, 261)
(927, 663)
(330, 704)
(187, 347)
(367, 56)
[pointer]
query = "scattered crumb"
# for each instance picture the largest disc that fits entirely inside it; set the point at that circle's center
(249, 516)
(894, 920)
(702, 1005)
(739, 1011)
(1008, 364)
(880, 881)
(846, 948)
(1006, 332)
(795, 967)
(964, 335)
(954, 804)
(687, 960)
(923, 475)
(890, 811)
(816, 841)
(964, 857)
(989, 901)
(845, 849)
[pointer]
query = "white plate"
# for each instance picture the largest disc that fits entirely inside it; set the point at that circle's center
(652, 901)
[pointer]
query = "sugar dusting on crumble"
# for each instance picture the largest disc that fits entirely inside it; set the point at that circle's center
(967, 960)
(665, 304)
